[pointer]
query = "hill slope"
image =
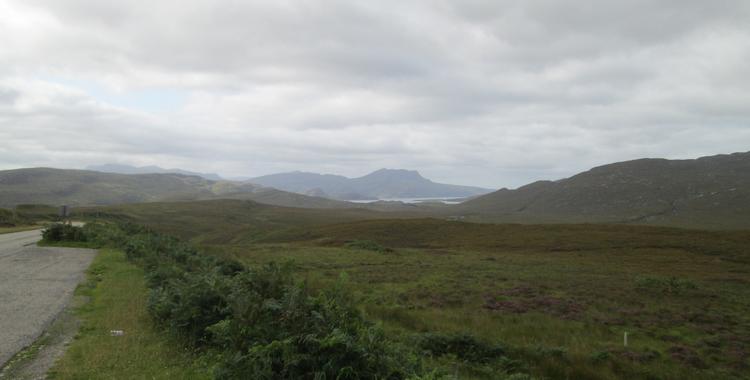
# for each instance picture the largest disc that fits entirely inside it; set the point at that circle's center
(81, 187)
(127, 169)
(705, 192)
(228, 220)
(381, 184)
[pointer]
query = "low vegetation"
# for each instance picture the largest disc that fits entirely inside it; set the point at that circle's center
(368, 245)
(256, 323)
(64, 232)
(549, 301)
(118, 297)
(7, 218)
(11, 218)
(37, 212)
(25, 217)
(665, 285)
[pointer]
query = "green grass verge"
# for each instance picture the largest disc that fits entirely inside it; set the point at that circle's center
(10, 230)
(118, 302)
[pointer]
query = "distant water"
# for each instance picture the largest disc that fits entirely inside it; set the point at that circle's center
(446, 200)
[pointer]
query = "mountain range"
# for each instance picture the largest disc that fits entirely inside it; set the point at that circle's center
(85, 187)
(709, 192)
(380, 184)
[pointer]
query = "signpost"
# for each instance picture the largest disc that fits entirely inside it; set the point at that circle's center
(65, 212)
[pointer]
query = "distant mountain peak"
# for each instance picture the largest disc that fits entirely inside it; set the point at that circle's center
(396, 174)
(380, 184)
(387, 170)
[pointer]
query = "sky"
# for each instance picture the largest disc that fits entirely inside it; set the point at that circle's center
(488, 93)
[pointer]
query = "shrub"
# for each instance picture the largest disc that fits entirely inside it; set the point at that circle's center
(279, 330)
(600, 356)
(368, 245)
(59, 232)
(260, 322)
(189, 305)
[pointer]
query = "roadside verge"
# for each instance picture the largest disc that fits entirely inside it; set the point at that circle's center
(117, 299)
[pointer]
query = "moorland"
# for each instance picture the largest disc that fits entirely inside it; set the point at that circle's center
(636, 270)
(557, 297)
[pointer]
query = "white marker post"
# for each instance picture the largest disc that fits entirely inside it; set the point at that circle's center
(625, 339)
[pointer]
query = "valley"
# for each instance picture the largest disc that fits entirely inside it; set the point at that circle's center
(544, 281)
(374, 190)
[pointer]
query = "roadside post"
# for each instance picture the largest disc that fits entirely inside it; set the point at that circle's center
(65, 213)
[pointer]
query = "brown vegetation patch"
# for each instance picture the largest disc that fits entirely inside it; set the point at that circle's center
(738, 357)
(737, 351)
(526, 299)
(636, 356)
(687, 355)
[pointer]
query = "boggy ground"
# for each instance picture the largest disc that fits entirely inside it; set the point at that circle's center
(558, 298)
(561, 297)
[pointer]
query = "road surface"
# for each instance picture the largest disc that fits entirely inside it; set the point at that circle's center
(35, 285)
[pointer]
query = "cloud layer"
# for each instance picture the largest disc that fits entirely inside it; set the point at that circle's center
(477, 92)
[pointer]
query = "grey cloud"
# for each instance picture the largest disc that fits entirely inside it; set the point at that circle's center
(8, 96)
(484, 92)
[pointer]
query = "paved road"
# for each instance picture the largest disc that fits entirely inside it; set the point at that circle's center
(35, 285)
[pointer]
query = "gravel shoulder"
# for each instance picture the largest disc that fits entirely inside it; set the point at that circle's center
(35, 286)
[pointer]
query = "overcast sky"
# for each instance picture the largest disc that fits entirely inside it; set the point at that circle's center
(491, 93)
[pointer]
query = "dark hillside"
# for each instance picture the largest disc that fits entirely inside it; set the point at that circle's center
(75, 187)
(82, 187)
(710, 192)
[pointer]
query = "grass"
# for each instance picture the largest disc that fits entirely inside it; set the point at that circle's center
(225, 221)
(559, 297)
(13, 369)
(118, 302)
(10, 230)
(582, 302)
